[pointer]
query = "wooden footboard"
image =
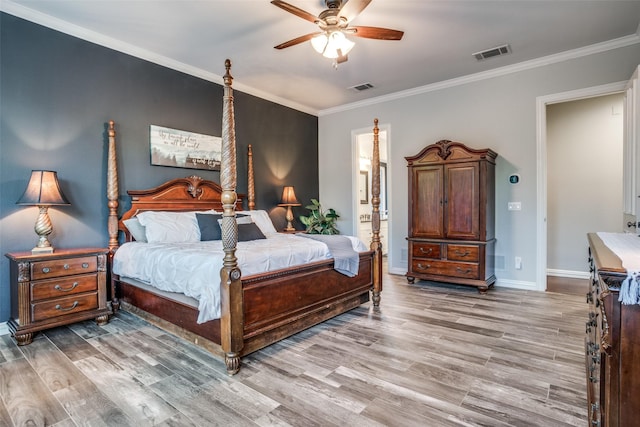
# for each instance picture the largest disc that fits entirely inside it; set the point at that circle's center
(276, 304)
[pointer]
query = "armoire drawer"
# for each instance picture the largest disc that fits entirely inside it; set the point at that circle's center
(466, 253)
(425, 250)
(446, 268)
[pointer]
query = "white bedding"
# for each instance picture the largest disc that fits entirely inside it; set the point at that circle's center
(193, 268)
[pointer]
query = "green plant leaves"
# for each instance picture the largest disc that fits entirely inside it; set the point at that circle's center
(318, 221)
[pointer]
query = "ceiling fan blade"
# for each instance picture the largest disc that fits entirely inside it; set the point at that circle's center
(297, 40)
(295, 10)
(352, 8)
(375, 33)
(341, 59)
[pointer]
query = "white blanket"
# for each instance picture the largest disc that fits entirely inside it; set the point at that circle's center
(194, 268)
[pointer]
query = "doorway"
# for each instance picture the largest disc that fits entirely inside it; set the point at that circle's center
(362, 207)
(542, 104)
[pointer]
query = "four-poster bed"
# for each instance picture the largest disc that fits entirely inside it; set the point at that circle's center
(255, 310)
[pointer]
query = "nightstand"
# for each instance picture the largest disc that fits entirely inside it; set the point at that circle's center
(49, 290)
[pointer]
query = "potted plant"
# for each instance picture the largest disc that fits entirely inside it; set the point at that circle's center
(320, 221)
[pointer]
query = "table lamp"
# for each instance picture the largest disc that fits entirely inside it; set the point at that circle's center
(289, 199)
(43, 191)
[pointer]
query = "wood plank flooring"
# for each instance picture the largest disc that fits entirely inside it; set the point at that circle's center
(432, 355)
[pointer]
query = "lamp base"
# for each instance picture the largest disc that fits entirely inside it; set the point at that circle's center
(37, 250)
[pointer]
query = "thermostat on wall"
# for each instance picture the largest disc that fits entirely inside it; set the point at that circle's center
(514, 179)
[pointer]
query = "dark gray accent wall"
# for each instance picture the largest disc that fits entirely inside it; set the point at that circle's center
(57, 94)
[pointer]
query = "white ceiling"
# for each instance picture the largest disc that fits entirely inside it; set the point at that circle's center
(196, 36)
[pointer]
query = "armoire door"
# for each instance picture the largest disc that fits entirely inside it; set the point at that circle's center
(462, 201)
(427, 202)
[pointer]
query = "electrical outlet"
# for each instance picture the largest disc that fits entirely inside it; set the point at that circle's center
(518, 263)
(514, 206)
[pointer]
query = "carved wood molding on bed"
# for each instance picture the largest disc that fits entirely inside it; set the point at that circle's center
(256, 310)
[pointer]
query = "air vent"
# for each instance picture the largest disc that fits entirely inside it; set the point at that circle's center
(490, 53)
(361, 87)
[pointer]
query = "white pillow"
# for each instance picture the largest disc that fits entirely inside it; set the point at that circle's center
(262, 220)
(170, 227)
(136, 229)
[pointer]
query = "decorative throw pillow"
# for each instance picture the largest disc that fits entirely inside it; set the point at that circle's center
(209, 226)
(262, 219)
(170, 227)
(249, 231)
(136, 229)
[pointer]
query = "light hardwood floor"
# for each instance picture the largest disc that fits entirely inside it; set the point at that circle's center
(432, 355)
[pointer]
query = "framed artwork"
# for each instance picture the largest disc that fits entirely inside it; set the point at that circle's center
(183, 149)
(363, 187)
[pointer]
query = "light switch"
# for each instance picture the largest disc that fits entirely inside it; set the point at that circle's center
(515, 206)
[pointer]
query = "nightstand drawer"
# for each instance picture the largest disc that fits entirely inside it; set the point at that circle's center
(63, 267)
(61, 287)
(64, 306)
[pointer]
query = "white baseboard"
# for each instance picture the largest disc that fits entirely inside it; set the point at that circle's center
(568, 273)
(4, 329)
(504, 283)
(517, 284)
(398, 271)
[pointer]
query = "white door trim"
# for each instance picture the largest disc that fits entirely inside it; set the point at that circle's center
(541, 161)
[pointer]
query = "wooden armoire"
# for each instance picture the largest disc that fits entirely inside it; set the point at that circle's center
(452, 215)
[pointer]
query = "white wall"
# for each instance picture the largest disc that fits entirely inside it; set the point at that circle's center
(584, 177)
(497, 113)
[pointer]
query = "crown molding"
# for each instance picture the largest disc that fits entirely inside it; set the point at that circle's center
(489, 74)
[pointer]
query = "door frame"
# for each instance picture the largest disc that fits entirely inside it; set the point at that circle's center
(541, 161)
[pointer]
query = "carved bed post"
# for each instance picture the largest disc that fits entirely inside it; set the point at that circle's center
(112, 197)
(232, 317)
(376, 246)
(251, 192)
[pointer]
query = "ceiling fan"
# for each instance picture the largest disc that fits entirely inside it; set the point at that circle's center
(333, 24)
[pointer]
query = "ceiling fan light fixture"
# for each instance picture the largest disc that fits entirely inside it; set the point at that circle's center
(332, 44)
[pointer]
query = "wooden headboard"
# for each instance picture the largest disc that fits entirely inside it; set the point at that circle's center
(192, 193)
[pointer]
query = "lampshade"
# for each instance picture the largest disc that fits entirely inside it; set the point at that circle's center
(43, 190)
(289, 197)
(332, 44)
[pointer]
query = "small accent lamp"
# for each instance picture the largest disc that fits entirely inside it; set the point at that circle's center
(43, 191)
(289, 199)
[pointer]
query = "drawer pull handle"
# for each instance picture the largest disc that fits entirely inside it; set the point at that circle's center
(61, 289)
(85, 265)
(427, 252)
(46, 270)
(459, 270)
(74, 305)
(462, 253)
(66, 266)
(423, 267)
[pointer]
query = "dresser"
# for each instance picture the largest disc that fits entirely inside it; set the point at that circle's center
(452, 215)
(63, 287)
(612, 343)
